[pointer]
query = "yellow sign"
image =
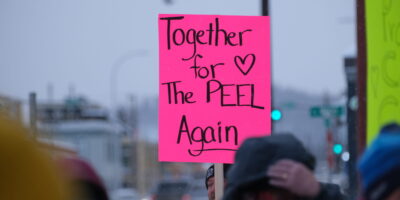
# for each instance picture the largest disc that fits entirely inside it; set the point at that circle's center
(383, 60)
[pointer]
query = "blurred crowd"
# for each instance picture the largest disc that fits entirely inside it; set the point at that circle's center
(274, 167)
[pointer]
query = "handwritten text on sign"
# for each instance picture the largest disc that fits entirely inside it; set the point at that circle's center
(383, 64)
(214, 85)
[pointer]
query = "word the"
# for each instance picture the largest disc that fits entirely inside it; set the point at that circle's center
(177, 96)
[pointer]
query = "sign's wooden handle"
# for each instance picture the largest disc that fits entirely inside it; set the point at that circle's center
(219, 180)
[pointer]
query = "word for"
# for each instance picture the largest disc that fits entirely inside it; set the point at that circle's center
(202, 71)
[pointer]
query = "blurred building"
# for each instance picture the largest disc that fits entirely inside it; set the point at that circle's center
(86, 126)
(73, 108)
(152, 172)
(11, 107)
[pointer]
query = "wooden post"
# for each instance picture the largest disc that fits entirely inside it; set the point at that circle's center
(219, 180)
(141, 165)
(33, 113)
(361, 77)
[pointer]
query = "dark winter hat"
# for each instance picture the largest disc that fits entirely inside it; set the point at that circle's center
(210, 172)
(380, 164)
(256, 155)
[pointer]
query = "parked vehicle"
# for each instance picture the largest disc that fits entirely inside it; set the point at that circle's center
(180, 190)
(125, 194)
(198, 190)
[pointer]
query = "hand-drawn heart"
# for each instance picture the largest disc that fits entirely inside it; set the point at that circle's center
(244, 66)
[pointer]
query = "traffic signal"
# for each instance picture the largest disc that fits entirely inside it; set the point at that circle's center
(345, 156)
(276, 115)
(337, 149)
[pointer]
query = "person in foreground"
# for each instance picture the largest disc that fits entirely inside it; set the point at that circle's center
(379, 166)
(276, 167)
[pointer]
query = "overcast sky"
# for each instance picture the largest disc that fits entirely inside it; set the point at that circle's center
(78, 42)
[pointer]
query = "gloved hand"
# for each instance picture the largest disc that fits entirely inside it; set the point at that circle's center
(293, 177)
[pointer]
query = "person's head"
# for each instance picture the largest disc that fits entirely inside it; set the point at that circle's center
(83, 179)
(247, 178)
(379, 166)
(210, 180)
(26, 170)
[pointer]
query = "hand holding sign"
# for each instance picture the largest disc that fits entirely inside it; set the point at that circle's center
(213, 93)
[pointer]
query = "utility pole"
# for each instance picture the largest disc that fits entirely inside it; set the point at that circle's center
(361, 75)
(265, 12)
(168, 2)
(33, 113)
(351, 75)
(326, 102)
(50, 92)
(264, 7)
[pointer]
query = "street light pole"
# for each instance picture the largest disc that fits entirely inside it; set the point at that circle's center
(113, 77)
(140, 148)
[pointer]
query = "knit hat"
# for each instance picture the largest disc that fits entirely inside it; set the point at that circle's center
(256, 155)
(380, 165)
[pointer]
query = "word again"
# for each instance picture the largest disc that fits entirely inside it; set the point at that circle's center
(207, 135)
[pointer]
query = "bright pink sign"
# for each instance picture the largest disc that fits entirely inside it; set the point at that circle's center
(214, 85)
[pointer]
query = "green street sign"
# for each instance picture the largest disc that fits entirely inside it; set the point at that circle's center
(326, 111)
(315, 112)
(339, 111)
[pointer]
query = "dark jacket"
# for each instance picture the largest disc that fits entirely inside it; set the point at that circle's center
(330, 192)
(256, 155)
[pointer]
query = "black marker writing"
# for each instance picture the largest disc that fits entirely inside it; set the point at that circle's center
(176, 96)
(207, 135)
(216, 88)
(210, 36)
(203, 72)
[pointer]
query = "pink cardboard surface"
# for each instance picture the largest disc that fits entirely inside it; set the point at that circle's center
(214, 85)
